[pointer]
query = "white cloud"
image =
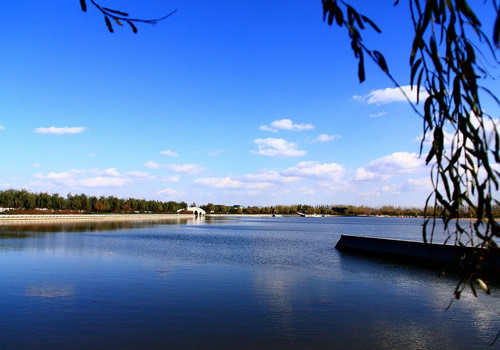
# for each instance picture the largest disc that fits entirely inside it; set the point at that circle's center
(215, 153)
(270, 176)
(60, 131)
(188, 169)
(313, 169)
(390, 95)
(258, 185)
(2, 128)
(170, 192)
(272, 147)
(285, 124)
(225, 182)
(111, 172)
(169, 153)
(418, 184)
(384, 168)
(36, 165)
(363, 174)
(175, 178)
(101, 181)
(152, 165)
(307, 191)
(326, 138)
(110, 177)
(139, 174)
(55, 176)
(91, 154)
(376, 115)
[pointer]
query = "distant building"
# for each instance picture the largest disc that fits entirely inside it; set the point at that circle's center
(192, 211)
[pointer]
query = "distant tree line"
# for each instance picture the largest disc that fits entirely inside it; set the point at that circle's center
(25, 200)
(349, 210)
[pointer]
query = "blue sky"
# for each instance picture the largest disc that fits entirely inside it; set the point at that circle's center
(252, 103)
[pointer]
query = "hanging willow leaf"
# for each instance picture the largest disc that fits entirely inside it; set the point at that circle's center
(83, 5)
(361, 68)
(115, 12)
(134, 28)
(496, 31)
(414, 69)
(379, 58)
(371, 23)
(108, 24)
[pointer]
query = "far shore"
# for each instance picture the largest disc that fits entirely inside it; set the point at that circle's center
(13, 219)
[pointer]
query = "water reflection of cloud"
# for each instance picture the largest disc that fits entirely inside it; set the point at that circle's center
(411, 286)
(48, 291)
(410, 335)
(273, 289)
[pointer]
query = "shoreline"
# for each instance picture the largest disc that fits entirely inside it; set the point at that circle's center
(13, 219)
(59, 218)
(16, 219)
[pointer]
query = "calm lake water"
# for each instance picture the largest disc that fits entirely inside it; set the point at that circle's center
(227, 283)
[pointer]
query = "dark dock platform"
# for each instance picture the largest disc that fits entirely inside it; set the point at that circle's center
(413, 251)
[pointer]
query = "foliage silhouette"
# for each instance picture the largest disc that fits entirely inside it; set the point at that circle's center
(447, 67)
(119, 16)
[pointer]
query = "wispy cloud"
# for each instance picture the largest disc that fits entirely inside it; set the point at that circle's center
(172, 193)
(377, 115)
(390, 95)
(101, 181)
(169, 153)
(285, 124)
(268, 175)
(139, 174)
(272, 147)
(152, 165)
(325, 138)
(188, 169)
(2, 128)
(317, 170)
(110, 177)
(60, 131)
(175, 178)
(215, 182)
(216, 153)
(36, 165)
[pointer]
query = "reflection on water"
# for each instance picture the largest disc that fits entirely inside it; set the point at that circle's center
(256, 283)
(49, 291)
(91, 226)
